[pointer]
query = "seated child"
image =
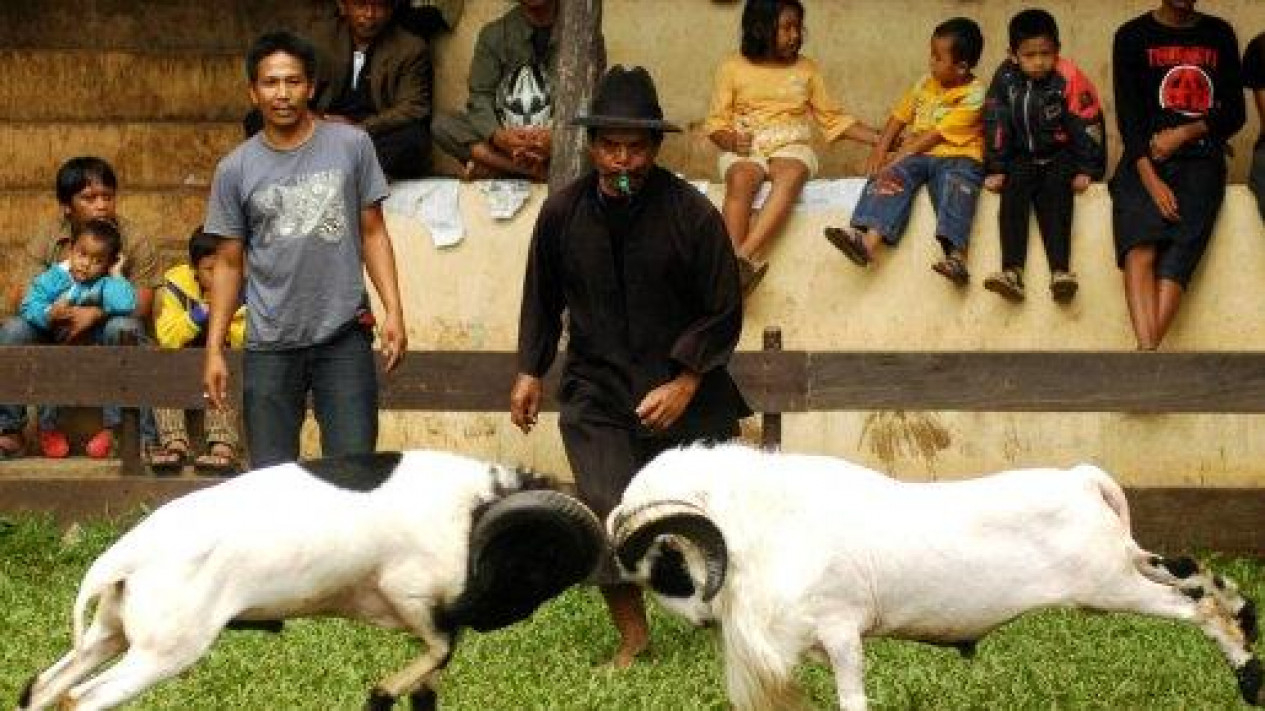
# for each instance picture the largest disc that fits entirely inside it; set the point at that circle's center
(763, 107)
(1179, 100)
(1045, 140)
(183, 310)
(944, 150)
(51, 305)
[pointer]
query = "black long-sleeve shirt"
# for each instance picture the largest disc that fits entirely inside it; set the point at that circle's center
(1169, 76)
(650, 288)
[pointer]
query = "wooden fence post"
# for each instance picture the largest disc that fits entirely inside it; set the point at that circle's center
(771, 422)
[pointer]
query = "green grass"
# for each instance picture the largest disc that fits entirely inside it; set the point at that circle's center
(1051, 660)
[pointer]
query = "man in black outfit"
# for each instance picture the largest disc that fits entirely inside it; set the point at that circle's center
(641, 263)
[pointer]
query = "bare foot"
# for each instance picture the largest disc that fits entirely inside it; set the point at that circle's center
(628, 652)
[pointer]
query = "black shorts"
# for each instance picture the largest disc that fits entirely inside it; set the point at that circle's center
(1198, 184)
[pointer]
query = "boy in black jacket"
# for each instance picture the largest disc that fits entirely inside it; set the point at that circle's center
(1044, 136)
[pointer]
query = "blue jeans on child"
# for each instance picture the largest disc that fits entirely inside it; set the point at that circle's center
(116, 330)
(341, 375)
(954, 185)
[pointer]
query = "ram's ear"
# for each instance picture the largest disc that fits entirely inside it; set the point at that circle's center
(637, 529)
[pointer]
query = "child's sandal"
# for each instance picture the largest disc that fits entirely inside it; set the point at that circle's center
(1007, 283)
(953, 268)
(849, 241)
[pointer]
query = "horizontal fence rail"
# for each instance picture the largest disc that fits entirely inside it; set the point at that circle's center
(773, 381)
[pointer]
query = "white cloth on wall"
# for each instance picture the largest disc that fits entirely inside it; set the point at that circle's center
(434, 201)
(822, 195)
(505, 197)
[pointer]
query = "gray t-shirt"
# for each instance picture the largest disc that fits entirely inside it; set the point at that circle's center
(299, 214)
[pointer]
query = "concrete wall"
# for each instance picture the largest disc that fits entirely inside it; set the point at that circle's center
(870, 51)
(466, 297)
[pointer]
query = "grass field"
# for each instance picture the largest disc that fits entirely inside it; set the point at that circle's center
(1051, 660)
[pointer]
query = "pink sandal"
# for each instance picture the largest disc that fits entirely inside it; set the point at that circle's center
(100, 445)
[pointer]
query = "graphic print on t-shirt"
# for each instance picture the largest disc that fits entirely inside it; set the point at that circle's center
(301, 206)
(1187, 90)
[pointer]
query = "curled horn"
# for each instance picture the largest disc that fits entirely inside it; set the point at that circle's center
(636, 529)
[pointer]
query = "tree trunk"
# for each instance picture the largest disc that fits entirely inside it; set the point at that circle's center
(581, 62)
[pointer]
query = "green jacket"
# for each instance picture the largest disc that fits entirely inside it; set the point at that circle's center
(503, 45)
(399, 74)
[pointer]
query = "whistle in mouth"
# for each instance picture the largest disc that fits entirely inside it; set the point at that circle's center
(623, 184)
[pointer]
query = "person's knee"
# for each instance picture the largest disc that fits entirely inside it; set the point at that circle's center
(17, 332)
(788, 172)
(743, 179)
(122, 330)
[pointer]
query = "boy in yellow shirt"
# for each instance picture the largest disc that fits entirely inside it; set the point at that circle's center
(944, 150)
(183, 309)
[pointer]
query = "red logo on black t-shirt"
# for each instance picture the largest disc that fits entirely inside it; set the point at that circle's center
(1186, 89)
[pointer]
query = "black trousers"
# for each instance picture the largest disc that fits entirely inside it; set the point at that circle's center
(1047, 186)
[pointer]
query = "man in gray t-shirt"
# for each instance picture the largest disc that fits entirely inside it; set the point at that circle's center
(299, 204)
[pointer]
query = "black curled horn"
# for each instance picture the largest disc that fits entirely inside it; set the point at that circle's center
(635, 530)
(525, 549)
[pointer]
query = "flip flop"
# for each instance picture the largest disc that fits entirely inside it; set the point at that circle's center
(12, 446)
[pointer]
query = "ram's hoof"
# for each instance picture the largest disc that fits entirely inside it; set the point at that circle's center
(379, 700)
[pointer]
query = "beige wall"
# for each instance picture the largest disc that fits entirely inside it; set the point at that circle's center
(466, 297)
(870, 50)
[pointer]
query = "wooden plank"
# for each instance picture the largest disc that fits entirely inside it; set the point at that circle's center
(774, 381)
(72, 499)
(1165, 520)
(1175, 520)
(1229, 382)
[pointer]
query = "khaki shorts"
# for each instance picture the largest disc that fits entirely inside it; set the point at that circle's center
(801, 152)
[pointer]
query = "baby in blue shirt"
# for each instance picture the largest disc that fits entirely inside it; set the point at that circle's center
(57, 299)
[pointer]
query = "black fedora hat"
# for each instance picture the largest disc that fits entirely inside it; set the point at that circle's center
(626, 98)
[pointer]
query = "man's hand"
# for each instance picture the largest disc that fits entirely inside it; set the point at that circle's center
(664, 405)
(215, 379)
(1080, 183)
(80, 320)
(525, 401)
(394, 341)
(995, 182)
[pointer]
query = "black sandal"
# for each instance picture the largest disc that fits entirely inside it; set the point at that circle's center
(848, 241)
(953, 268)
(214, 463)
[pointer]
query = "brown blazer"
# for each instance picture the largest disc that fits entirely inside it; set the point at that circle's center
(399, 74)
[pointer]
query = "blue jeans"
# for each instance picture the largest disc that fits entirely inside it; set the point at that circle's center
(16, 331)
(954, 184)
(342, 377)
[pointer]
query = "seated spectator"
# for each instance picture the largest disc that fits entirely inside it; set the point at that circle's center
(1254, 80)
(1046, 143)
(377, 75)
(183, 311)
(505, 129)
(86, 189)
(764, 105)
(1179, 100)
(945, 151)
(54, 301)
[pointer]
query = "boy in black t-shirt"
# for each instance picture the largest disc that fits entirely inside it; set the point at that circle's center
(1179, 98)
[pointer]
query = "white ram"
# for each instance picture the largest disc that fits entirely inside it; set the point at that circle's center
(427, 542)
(791, 553)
